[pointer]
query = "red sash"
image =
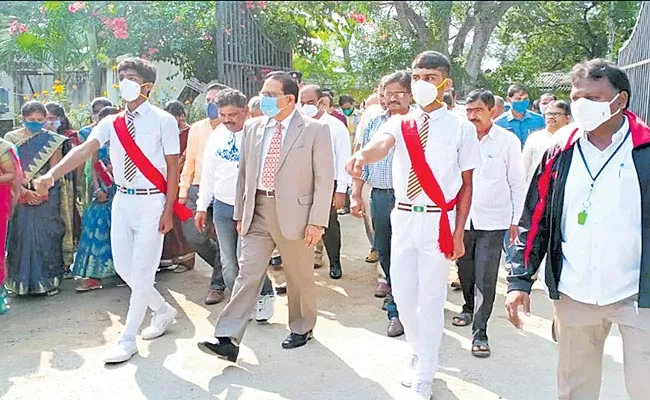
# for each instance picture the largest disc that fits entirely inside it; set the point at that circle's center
(145, 166)
(103, 174)
(429, 184)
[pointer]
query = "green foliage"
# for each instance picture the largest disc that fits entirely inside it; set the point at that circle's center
(554, 36)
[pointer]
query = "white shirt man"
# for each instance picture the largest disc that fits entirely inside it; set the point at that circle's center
(498, 197)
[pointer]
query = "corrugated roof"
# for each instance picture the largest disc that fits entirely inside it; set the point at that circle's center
(553, 80)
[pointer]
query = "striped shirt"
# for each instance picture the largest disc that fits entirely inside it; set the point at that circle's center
(379, 174)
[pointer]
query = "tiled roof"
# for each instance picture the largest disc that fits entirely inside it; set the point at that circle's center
(553, 80)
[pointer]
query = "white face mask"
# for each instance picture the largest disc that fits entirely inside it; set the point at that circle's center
(309, 110)
(130, 90)
(589, 114)
(542, 108)
(424, 93)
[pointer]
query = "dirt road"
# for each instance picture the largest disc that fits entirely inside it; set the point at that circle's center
(52, 347)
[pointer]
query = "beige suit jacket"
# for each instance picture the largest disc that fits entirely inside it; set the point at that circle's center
(304, 181)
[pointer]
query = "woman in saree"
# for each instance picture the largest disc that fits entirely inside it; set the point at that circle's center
(94, 259)
(57, 121)
(10, 179)
(176, 250)
(40, 243)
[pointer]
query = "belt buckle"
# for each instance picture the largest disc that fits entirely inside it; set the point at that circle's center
(130, 191)
(418, 209)
(267, 194)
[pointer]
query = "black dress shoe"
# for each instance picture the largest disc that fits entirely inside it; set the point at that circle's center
(296, 340)
(276, 261)
(281, 289)
(335, 271)
(224, 348)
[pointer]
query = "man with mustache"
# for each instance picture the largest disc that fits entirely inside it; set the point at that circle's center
(497, 202)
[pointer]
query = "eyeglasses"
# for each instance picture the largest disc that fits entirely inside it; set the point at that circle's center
(555, 114)
(400, 95)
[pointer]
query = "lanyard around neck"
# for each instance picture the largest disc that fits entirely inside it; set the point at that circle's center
(584, 161)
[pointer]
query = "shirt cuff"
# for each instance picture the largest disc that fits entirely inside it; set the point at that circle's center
(201, 206)
(341, 188)
(183, 192)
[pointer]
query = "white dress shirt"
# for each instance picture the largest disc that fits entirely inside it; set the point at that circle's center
(220, 168)
(156, 134)
(536, 145)
(602, 258)
(452, 147)
(499, 184)
(266, 143)
(341, 151)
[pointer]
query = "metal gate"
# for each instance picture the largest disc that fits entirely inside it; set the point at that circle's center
(634, 58)
(244, 53)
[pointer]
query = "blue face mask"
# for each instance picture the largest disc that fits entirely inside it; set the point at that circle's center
(212, 111)
(269, 106)
(33, 126)
(520, 106)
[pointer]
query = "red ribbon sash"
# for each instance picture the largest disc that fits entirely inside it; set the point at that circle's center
(145, 166)
(429, 184)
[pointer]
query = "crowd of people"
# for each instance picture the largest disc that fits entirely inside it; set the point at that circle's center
(263, 181)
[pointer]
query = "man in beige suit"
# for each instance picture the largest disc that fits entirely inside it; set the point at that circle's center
(284, 194)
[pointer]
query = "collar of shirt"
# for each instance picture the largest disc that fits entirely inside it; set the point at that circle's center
(433, 115)
(527, 115)
(143, 108)
(285, 122)
(616, 138)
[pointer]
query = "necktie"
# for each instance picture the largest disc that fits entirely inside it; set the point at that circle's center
(272, 158)
(414, 188)
(129, 166)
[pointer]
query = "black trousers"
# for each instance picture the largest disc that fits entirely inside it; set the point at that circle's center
(478, 271)
(332, 236)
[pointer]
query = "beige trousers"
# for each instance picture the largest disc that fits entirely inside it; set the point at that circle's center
(256, 249)
(582, 330)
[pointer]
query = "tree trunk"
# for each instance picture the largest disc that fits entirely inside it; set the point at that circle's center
(93, 69)
(612, 31)
(459, 43)
(487, 17)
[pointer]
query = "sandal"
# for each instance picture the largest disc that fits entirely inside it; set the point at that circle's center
(52, 292)
(89, 284)
(481, 348)
(184, 265)
(462, 319)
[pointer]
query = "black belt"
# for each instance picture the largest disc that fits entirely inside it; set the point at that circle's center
(265, 193)
(418, 209)
(137, 192)
(380, 190)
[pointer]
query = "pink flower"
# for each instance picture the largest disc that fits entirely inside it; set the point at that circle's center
(262, 4)
(16, 28)
(118, 26)
(76, 6)
(359, 18)
(384, 36)
(207, 37)
(153, 51)
(250, 5)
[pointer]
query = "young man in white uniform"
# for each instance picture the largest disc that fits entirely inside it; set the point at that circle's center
(141, 213)
(419, 268)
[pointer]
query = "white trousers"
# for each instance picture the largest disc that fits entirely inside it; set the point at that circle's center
(137, 246)
(419, 273)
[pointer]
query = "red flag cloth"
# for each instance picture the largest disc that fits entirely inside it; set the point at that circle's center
(429, 184)
(145, 166)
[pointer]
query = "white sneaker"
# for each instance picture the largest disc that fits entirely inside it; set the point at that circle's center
(159, 323)
(408, 373)
(423, 389)
(120, 352)
(265, 308)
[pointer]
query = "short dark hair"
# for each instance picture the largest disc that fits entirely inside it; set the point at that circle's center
(401, 77)
(345, 99)
(289, 85)
(231, 97)
(316, 88)
(58, 110)
(31, 107)
(100, 101)
(561, 104)
(598, 69)
(215, 85)
(143, 67)
(329, 96)
(485, 96)
(106, 111)
(516, 88)
(330, 91)
(175, 108)
(432, 60)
